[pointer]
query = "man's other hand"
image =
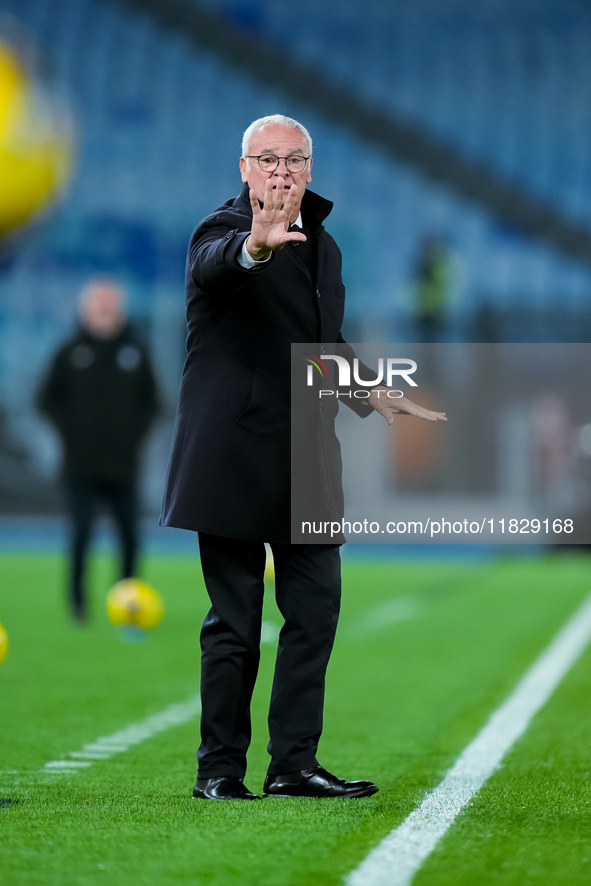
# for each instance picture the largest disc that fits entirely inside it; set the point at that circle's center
(270, 224)
(389, 407)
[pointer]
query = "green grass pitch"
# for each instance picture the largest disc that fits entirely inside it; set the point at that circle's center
(404, 697)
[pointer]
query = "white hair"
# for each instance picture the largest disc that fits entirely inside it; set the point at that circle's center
(274, 120)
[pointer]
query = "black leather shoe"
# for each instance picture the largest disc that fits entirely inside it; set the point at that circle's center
(222, 788)
(316, 782)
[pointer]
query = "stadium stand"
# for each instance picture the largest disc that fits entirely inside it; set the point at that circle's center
(502, 80)
(158, 122)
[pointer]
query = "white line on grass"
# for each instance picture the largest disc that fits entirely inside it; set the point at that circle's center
(269, 633)
(67, 764)
(107, 745)
(384, 614)
(104, 747)
(399, 856)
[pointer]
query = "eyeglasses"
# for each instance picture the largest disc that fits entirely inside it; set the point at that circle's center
(269, 162)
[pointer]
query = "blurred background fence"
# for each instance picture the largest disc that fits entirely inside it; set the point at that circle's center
(453, 137)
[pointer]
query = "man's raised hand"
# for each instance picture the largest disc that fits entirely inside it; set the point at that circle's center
(270, 224)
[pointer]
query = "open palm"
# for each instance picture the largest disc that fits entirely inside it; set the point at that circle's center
(270, 224)
(388, 407)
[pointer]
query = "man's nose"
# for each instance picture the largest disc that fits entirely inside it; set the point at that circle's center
(282, 169)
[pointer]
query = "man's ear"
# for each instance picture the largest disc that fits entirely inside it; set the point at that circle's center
(309, 179)
(243, 169)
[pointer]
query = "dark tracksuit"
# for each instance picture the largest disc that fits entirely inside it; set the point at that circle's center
(101, 396)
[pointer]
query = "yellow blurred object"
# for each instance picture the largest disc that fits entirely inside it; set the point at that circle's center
(269, 565)
(35, 147)
(133, 602)
(3, 644)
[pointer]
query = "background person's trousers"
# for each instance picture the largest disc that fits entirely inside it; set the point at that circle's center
(83, 498)
(308, 593)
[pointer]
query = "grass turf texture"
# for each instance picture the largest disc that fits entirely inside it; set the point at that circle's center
(403, 700)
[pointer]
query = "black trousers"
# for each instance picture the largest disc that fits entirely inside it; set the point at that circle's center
(308, 592)
(83, 497)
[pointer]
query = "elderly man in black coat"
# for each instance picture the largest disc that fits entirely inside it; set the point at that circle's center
(262, 272)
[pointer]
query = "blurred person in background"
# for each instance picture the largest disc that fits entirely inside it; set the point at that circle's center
(101, 395)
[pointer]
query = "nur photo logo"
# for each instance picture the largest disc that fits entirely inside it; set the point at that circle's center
(388, 369)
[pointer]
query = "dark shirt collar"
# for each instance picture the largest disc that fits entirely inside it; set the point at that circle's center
(314, 207)
(87, 335)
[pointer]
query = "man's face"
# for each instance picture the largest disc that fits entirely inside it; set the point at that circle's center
(101, 310)
(283, 141)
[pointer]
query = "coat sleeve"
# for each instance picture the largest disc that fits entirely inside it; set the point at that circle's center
(360, 406)
(52, 395)
(214, 249)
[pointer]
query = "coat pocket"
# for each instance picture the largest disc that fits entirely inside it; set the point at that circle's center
(252, 419)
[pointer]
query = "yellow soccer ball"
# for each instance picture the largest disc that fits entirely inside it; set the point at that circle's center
(3, 644)
(35, 146)
(133, 602)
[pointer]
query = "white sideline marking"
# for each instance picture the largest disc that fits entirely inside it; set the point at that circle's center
(67, 764)
(395, 860)
(107, 745)
(388, 613)
(88, 755)
(269, 633)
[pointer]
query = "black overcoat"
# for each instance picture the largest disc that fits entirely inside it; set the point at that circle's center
(229, 469)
